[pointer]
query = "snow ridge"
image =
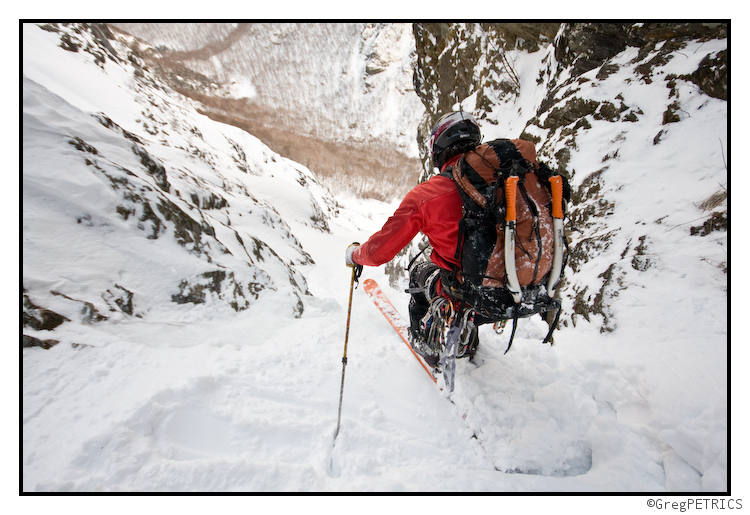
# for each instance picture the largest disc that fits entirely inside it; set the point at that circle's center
(147, 165)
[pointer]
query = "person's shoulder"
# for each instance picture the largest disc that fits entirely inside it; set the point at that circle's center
(432, 188)
(436, 181)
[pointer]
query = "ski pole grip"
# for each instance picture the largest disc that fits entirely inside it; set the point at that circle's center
(511, 186)
(557, 196)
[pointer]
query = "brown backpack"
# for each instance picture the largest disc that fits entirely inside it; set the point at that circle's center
(487, 177)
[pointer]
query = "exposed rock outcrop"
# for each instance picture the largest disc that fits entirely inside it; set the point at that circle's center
(476, 66)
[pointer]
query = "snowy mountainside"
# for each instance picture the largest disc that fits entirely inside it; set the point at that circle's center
(349, 82)
(645, 147)
(635, 116)
(169, 207)
(180, 389)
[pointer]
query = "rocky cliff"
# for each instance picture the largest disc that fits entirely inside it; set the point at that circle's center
(604, 103)
(479, 63)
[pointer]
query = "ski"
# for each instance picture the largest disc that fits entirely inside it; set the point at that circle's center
(392, 315)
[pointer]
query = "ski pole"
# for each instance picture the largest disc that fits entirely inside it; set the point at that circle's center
(355, 277)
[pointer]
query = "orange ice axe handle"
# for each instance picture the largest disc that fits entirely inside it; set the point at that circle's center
(557, 196)
(555, 274)
(511, 187)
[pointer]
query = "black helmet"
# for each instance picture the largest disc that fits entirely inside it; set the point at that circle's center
(453, 134)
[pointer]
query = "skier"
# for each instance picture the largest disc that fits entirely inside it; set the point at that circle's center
(434, 208)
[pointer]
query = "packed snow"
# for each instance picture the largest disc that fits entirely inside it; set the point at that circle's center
(203, 398)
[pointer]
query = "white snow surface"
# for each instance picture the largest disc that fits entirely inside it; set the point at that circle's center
(200, 398)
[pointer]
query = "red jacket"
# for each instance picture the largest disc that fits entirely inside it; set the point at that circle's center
(433, 207)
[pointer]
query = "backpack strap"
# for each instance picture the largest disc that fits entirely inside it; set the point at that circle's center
(553, 325)
(463, 182)
(450, 174)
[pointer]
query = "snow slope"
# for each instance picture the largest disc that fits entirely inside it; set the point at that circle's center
(200, 397)
(665, 290)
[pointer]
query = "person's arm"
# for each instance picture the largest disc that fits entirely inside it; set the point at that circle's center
(397, 232)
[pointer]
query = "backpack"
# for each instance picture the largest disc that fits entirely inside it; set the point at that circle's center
(511, 244)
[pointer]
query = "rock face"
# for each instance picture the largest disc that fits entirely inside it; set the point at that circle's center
(544, 82)
(456, 61)
(40, 319)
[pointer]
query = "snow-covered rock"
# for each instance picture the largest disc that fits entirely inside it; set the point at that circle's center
(170, 208)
